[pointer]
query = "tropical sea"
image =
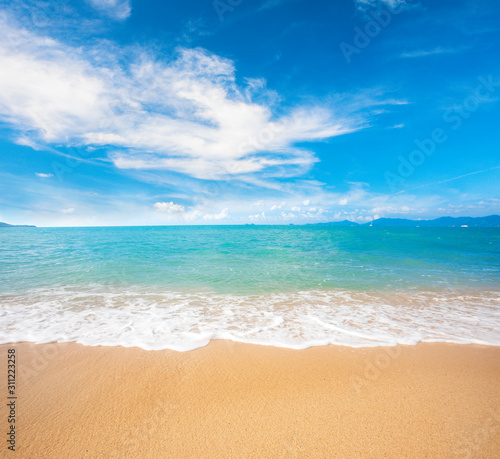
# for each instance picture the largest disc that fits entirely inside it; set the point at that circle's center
(178, 287)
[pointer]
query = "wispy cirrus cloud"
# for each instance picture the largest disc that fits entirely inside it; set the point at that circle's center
(367, 4)
(116, 9)
(187, 114)
(428, 52)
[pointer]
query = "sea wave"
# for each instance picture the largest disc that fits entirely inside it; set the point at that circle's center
(182, 321)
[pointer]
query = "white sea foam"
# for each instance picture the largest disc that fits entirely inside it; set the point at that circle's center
(99, 315)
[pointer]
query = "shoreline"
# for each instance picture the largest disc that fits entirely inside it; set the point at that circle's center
(183, 320)
(230, 399)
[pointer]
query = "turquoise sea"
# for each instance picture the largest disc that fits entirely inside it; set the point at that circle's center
(294, 286)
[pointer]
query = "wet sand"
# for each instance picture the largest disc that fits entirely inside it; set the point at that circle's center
(237, 400)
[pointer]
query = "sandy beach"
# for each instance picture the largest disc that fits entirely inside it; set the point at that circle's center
(237, 400)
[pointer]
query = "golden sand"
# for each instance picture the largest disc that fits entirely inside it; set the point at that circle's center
(236, 400)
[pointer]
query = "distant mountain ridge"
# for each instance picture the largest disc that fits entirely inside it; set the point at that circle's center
(6, 225)
(342, 223)
(492, 221)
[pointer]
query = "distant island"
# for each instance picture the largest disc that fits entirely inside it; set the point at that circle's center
(6, 225)
(342, 223)
(493, 221)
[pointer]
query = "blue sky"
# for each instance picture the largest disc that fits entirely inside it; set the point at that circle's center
(120, 112)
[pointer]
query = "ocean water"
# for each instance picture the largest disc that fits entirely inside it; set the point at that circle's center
(290, 286)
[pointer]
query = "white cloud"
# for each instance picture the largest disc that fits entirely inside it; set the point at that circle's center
(393, 210)
(68, 211)
(366, 4)
(186, 114)
(116, 9)
(220, 216)
(278, 206)
(177, 212)
(257, 217)
(429, 52)
(169, 207)
(42, 175)
(306, 202)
